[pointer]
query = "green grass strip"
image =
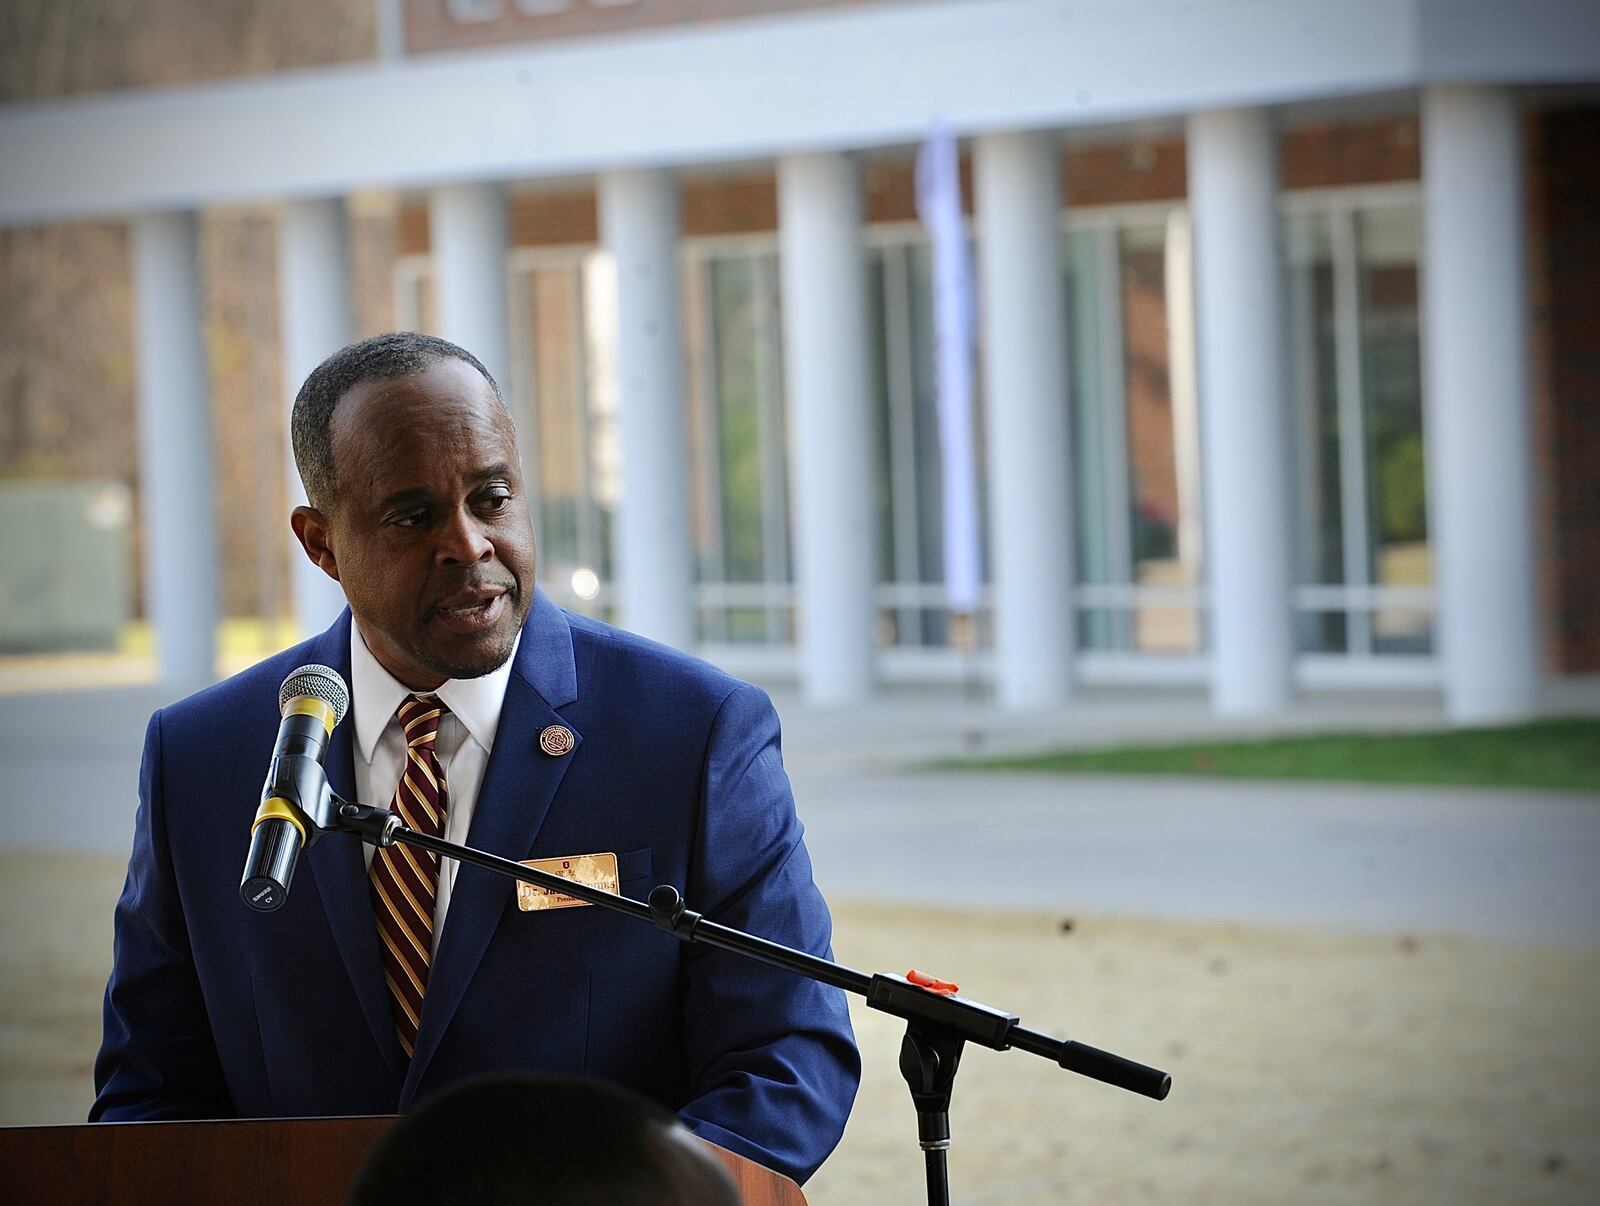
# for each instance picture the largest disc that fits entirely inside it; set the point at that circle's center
(1561, 753)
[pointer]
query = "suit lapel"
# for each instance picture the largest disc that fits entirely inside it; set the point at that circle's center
(336, 863)
(518, 786)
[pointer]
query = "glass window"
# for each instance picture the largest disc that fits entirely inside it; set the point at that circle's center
(738, 446)
(564, 400)
(1388, 244)
(1318, 486)
(1135, 440)
(1100, 537)
(475, 10)
(1161, 558)
(1361, 489)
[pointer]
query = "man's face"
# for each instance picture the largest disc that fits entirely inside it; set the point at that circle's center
(430, 534)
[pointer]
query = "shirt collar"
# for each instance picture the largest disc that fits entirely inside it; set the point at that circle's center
(377, 695)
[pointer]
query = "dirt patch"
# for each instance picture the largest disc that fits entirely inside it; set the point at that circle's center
(1307, 1066)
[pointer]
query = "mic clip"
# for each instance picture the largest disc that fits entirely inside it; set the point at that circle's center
(299, 781)
(376, 826)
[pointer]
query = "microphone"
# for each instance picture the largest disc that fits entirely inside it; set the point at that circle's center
(311, 701)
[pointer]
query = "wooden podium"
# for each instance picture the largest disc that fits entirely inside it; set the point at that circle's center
(269, 1162)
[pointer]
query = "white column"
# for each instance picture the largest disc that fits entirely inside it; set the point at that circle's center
(1476, 381)
(467, 227)
(1233, 192)
(316, 317)
(639, 227)
(1022, 302)
(181, 552)
(830, 421)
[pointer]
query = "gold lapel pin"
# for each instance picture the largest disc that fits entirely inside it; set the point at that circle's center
(556, 740)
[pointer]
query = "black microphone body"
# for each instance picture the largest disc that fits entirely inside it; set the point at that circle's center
(295, 799)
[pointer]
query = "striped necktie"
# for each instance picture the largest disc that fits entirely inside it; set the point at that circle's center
(405, 882)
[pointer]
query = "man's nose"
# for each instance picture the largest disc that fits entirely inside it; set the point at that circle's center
(463, 541)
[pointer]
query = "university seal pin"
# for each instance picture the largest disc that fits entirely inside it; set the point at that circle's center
(556, 740)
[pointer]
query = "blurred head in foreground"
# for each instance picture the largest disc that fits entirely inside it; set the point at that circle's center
(541, 1139)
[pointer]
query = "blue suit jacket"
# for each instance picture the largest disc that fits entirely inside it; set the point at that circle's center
(214, 1010)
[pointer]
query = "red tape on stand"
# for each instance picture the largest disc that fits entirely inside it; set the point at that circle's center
(932, 983)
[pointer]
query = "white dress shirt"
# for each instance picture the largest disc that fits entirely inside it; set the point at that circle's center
(466, 735)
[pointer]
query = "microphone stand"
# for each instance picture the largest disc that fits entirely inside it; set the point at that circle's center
(938, 1024)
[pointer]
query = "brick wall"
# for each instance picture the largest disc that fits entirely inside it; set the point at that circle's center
(52, 48)
(1563, 176)
(1124, 173)
(1339, 155)
(431, 26)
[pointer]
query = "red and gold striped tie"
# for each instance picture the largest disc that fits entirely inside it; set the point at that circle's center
(405, 882)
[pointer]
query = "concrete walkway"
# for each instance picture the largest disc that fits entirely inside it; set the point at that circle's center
(1522, 866)
(1518, 865)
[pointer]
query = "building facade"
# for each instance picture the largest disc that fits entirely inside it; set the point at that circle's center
(1285, 330)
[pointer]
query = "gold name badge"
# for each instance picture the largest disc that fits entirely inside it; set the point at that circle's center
(591, 870)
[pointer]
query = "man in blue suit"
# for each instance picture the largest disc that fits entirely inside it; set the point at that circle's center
(556, 736)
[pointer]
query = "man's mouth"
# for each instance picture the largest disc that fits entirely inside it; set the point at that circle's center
(476, 607)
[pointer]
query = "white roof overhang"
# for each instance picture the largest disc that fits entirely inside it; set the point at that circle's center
(839, 78)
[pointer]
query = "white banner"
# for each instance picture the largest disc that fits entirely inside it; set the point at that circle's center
(939, 207)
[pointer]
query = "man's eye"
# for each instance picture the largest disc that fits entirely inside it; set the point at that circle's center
(410, 519)
(493, 504)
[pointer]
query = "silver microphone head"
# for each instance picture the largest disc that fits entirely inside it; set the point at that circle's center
(320, 682)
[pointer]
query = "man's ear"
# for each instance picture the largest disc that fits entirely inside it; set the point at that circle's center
(312, 530)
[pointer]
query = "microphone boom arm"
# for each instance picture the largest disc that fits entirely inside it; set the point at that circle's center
(938, 1025)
